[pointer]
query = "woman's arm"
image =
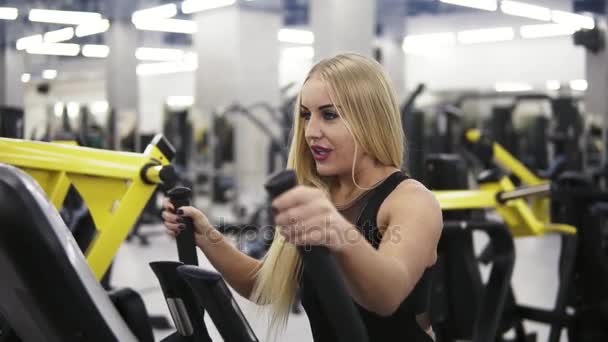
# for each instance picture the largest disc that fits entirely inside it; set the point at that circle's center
(235, 266)
(380, 280)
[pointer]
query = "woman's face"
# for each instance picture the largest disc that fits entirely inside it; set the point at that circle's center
(329, 141)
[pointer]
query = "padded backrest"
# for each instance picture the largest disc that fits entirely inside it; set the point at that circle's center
(47, 292)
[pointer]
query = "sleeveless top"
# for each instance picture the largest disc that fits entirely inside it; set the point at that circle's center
(402, 324)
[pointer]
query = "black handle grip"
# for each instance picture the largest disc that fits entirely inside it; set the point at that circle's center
(318, 262)
(186, 244)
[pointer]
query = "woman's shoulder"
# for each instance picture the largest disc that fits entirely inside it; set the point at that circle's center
(411, 197)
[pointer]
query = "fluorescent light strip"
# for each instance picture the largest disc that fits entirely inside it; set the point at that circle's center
(161, 55)
(26, 42)
(521, 9)
(95, 51)
(545, 30)
(193, 6)
(572, 19)
(296, 36)
(63, 17)
(164, 11)
(58, 36)
(26, 77)
(147, 69)
(55, 49)
(553, 85)
(99, 107)
(487, 5)
(180, 101)
(95, 27)
(498, 34)
(8, 13)
(166, 25)
(505, 87)
(579, 85)
(49, 74)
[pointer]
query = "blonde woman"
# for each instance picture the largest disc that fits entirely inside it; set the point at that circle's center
(381, 226)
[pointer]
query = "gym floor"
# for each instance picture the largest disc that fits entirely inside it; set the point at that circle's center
(534, 282)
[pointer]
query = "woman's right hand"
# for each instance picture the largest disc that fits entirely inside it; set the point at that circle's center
(174, 221)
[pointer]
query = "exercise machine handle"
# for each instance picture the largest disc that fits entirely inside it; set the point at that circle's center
(186, 244)
(333, 295)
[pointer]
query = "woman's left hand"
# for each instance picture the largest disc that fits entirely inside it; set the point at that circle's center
(306, 217)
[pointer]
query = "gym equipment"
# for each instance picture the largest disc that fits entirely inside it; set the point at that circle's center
(318, 262)
(462, 307)
(43, 270)
(114, 185)
(12, 123)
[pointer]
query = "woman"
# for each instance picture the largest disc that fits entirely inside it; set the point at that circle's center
(381, 226)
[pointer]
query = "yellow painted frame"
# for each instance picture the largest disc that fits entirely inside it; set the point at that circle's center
(110, 183)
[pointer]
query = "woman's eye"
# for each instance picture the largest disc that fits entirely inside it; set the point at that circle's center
(305, 115)
(329, 115)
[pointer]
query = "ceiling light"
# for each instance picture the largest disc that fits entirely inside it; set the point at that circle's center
(94, 27)
(58, 36)
(163, 11)
(521, 9)
(488, 5)
(546, 30)
(8, 13)
(95, 51)
(490, 35)
(26, 42)
(62, 17)
(165, 25)
(26, 77)
(192, 6)
(504, 87)
(572, 19)
(49, 74)
(56, 49)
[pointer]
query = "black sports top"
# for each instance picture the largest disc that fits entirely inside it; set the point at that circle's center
(402, 325)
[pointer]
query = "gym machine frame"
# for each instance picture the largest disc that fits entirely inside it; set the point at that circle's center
(114, 185)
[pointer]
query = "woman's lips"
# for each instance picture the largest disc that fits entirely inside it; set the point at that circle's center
(320, 153)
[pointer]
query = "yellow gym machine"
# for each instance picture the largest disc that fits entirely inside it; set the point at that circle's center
(115, 186)
(522, 217)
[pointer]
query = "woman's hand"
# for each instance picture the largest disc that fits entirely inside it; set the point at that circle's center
(174, 221)
(306, 217)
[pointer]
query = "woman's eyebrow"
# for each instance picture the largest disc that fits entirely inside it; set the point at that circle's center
(320, 107)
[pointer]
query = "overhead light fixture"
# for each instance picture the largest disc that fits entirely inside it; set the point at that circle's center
(487, 5)
(507, 87)
(49, 74)
(26, 77)
(58, 109)
(62, 17)
(56, 49)
(299, 52)
(193, 6)
(490, 35)
(546, 30)
(165, 25)
(579, 85)
(73, 109)
(94, 27)
(99, 107)
(8, 13)
(25, 42)
(188, 64)
(428, 44)
(158, 54)
(163, 11)
(95, 51)
(296, 36)
(525, 10)
(572, 19)
(554, 85)
(178, 102)
(58, 36)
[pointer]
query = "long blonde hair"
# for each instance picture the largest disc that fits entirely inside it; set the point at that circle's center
(366, 102)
